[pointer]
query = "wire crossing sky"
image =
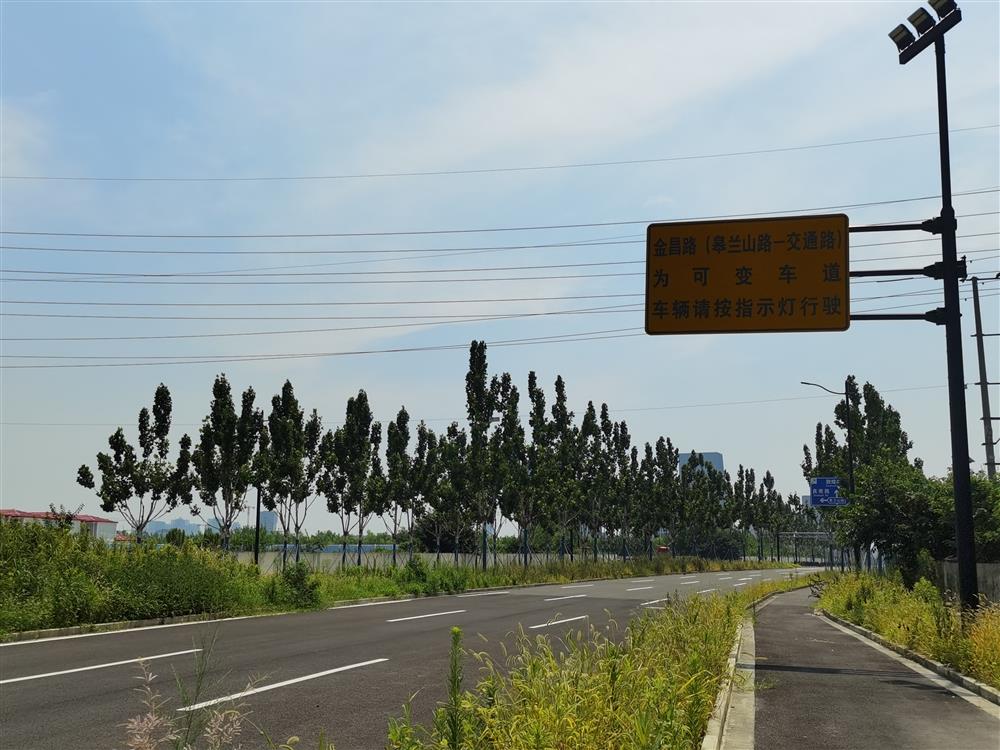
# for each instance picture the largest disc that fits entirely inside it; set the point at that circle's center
(182, 182)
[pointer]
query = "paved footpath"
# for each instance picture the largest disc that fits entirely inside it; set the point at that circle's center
(819, 687)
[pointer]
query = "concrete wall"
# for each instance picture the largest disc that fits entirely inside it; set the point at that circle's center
(987, 573)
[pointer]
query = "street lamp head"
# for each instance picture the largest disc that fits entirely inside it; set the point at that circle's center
(942, 7)
(902, 37)
(922, 21)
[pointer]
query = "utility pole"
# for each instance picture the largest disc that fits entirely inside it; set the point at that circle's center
(984, 387)
(256, 533)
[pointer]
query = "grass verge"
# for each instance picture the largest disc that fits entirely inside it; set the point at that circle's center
(50, 578)
(920, 619)
(652, 686)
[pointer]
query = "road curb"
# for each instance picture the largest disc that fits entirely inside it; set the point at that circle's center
(972, 685)
(108, 627)
(716, 724)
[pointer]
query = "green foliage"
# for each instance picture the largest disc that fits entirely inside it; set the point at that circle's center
(922, 620)
(652, 686)
(174, 537)
(295, 586)
(156, 482)
(51, 578)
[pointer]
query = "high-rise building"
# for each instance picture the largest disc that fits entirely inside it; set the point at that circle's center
(268, 520)
(715, 459)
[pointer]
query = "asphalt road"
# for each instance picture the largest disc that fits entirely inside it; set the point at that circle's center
(344, 671)
(819, 688)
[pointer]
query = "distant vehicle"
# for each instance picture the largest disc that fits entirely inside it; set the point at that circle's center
(662, 549)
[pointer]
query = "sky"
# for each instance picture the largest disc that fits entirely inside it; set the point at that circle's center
(359, 97)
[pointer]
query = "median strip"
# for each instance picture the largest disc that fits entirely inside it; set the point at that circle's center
(99, 666)
(265, 688)
(432, 614)
(557, 622)
(559, 598)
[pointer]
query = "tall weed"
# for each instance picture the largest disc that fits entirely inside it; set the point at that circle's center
(920, 619)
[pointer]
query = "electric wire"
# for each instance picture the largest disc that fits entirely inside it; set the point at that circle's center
(481, 230)
(494, 170)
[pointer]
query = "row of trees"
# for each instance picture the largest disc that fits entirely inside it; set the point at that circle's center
(579, 482)
(895, 507)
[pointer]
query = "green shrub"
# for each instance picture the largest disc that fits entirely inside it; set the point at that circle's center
(920, 619)
(652, 686)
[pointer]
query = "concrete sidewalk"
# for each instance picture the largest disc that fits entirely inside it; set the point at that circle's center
(819, 687)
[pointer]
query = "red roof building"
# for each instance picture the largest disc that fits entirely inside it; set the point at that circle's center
(103, 528)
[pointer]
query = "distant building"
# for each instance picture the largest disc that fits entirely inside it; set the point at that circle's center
(715, 459)
(268, 520)
(102, 528)
(162, 527)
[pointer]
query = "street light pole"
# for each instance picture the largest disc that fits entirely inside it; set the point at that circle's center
(965, 541)
(930, 32)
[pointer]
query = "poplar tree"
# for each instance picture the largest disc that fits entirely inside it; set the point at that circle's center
(400, 488)
(479, 400)
(144, 488)
(223, 460)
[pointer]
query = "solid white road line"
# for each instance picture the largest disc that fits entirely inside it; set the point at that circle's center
(432, 614)
(639, 588)
(372, 604)
(705, 591)
(557, 622)
(483, 593)
(577, 586)
(688, 583)
(571, 596)
(265, 688)
(99, 666)
(141, 629)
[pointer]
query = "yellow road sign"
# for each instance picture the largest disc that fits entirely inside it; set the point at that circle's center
(748, 275)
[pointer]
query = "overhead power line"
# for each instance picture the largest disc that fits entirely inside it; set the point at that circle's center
(704, 405)
(627, 239)
(438, 321)
(482, 230)
(256, 273)
(202, 359)
(495, 170)
(324, 303)
(220, 281)
(423, 321)
(554, 339)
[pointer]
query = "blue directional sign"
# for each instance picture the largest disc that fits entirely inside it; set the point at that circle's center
(824, 492)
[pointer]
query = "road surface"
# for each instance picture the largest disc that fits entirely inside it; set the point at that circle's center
(344, 671)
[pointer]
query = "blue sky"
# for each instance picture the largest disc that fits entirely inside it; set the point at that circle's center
(269, 90)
